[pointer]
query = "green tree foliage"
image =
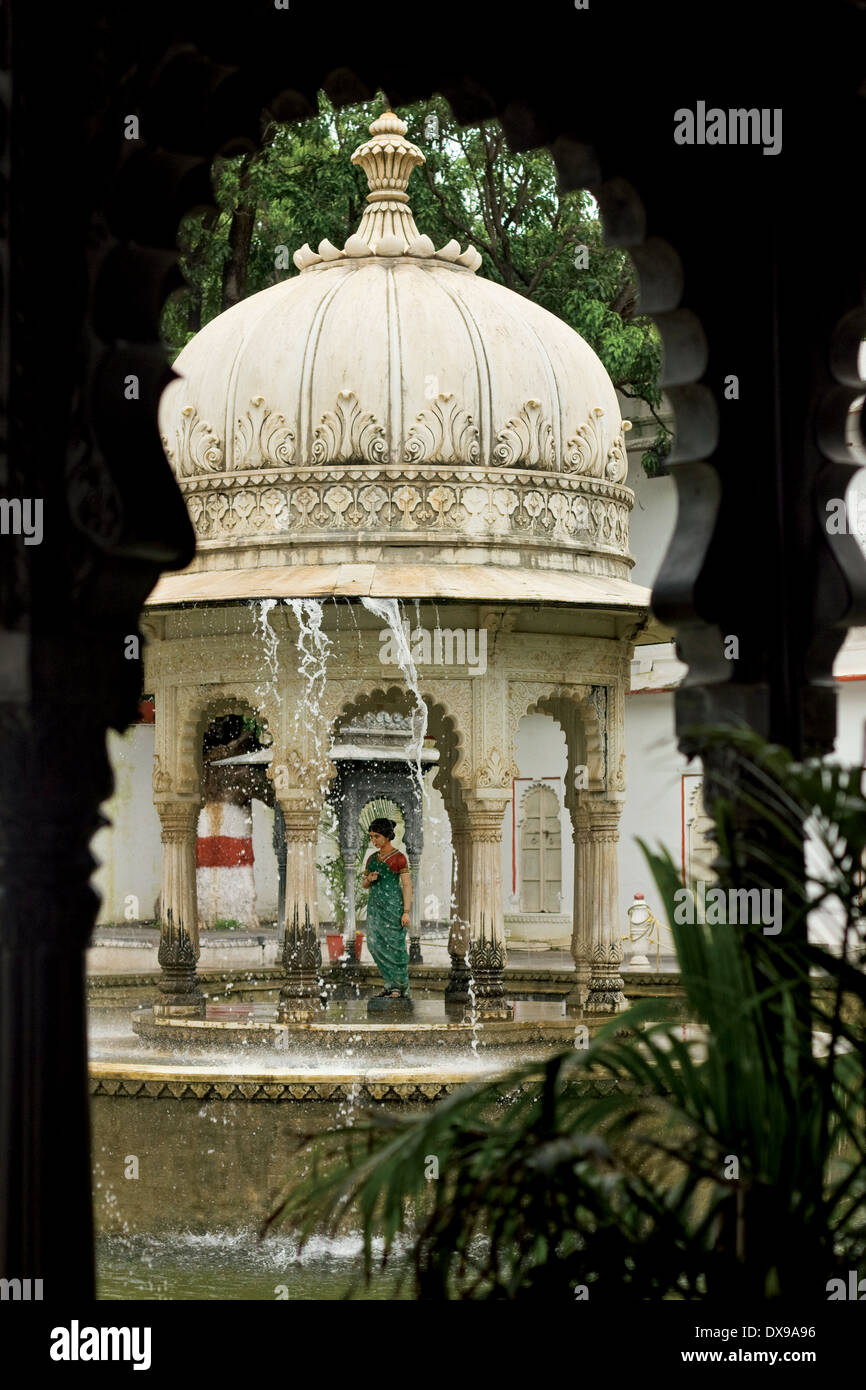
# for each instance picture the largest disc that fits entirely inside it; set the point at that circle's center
(302, 187)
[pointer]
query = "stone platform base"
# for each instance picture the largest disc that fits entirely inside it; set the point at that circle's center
(390, 1008)
(424, 1028)
(131, 1081)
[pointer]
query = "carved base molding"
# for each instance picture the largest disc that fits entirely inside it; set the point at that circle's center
(219, 1089)
(179, 993)
(213, 1089)
(459, 981)
(606, 985)
(486, 966)
(300, 996)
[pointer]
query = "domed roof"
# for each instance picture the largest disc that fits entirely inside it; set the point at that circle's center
(388, 396)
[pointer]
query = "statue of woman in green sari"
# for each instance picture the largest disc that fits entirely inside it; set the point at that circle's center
(386, 874)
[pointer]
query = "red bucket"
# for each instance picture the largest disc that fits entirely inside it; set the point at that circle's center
(335, 945)
(359, 944)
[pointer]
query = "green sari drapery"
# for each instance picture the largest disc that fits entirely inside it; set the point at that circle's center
(385, 936)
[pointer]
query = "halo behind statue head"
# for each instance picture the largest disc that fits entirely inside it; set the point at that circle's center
(382, 826)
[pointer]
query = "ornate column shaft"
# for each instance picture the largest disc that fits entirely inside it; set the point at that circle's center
(413, 854)
(462, 844)
(600, 908)
(351, 969)
(279, 843)
(180, 995)
(349, 852)
(457, 989)
(486, 916)
(581, 932)
(300, 997)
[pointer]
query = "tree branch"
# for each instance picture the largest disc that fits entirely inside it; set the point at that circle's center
(636, 396)
(520, 201)
(548, 260)
(625, 301)
(461, 226)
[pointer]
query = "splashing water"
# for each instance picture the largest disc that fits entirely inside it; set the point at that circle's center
(261, 610)
(473, 1010)
(314, 647)
(388, 611)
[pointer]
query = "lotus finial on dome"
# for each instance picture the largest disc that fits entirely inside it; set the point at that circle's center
(388, 159)
(387, 227)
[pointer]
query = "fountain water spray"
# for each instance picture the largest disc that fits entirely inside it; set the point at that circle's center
(314, 647)
(388, 610)
(261, 609)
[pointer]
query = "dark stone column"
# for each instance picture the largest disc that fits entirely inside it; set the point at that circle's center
(279, 842)
(414, 848)
(180, 995)
(73, 439)
(348, 808)
(300, 997)
(487, 943)
(457, 989)
(50, 787)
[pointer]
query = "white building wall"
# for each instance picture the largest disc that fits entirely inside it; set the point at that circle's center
(651, 523)
(654, 790)
(129, 851)
(435, 886)
(265, 862)
(850, 746)
(541, 756)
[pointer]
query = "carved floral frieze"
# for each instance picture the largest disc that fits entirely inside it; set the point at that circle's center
(443, 434)
(368, 500)
(527, 440)
(589, 454)
(263, 438)
(440, 486)
(196, 447)
(348, 432)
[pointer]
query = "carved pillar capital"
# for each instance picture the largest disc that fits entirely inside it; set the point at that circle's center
(178, 820)
(597, 818)
(301, 774)
(482, 818)
(302, 823)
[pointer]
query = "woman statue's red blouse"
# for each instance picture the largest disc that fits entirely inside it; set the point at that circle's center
(396, 862)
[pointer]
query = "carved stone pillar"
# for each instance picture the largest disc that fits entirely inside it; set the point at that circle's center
(462, 845)
(486, 917)
(300, 997)
(581, 932)
(180, 995)
(279, 843)
(457, 989)
(414, 844)
(600, 907)
(349, 843)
